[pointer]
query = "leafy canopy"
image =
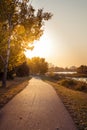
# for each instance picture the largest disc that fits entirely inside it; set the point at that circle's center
(22, 24)
(38, 65)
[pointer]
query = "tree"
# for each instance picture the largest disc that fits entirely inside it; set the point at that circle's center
(38, 65)
(82, 69)
(22, 70)
(20, 25)
(43, 66)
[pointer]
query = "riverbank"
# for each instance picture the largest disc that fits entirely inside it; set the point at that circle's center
(13, 88)
(74, 101)
(70, 81)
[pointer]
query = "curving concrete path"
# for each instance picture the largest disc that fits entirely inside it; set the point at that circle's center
(37, 107)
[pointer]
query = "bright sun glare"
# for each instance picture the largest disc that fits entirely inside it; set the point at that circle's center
(42, 48)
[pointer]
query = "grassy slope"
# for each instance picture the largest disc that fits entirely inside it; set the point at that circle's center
(75, 102)
(13, 87)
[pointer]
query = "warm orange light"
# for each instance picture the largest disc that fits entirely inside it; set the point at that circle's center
(42, 48)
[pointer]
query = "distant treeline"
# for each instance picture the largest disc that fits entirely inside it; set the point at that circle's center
(35, 66)
(61, 69)
(39, 66)
(81, 69)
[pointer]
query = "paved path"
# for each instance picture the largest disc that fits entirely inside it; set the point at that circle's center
(37, 107)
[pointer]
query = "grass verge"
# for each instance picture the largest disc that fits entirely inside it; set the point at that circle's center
(13, 88)
(74, 101)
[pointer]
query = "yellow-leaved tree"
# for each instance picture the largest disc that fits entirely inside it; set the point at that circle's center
(20, 25)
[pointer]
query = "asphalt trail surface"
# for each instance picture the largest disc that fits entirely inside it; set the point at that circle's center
(37, 107)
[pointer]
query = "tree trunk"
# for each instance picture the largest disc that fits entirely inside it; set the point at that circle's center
(6, 64)
(4, 76)
(8, 54)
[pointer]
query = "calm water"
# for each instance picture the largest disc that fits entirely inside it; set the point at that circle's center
(81, 79)
(65, 72)
(78, 79)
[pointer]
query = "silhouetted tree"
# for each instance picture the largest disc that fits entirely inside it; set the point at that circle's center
(23, 70)
(82, 69)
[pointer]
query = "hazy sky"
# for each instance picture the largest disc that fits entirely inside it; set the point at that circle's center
(66, 31)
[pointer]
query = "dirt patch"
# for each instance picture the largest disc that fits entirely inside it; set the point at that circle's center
(13, 88)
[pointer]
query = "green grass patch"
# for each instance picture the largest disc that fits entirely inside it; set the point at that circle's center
(75, 102)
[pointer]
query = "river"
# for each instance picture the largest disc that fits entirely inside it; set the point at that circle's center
(65, 72)
(81, 79)
(78, 79)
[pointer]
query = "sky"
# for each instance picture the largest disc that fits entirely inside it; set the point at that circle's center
(64, 42)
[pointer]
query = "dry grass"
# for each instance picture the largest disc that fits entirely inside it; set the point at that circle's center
(13, 87)
(75, 102)
(73, 84)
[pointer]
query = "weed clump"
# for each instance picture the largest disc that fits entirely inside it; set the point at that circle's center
(73, 84)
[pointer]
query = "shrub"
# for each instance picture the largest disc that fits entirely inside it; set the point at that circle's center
(54, 76)
(76, 85)
(50, 74)
(22, 70)
(81, 86)
(69, 83)
(10, 74)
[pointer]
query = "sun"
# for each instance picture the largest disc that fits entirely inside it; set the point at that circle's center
(42, 48)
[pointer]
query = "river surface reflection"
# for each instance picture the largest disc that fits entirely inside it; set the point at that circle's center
(78, 79)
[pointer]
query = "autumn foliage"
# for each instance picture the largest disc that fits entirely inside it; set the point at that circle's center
(20, 26)
(38, 65)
